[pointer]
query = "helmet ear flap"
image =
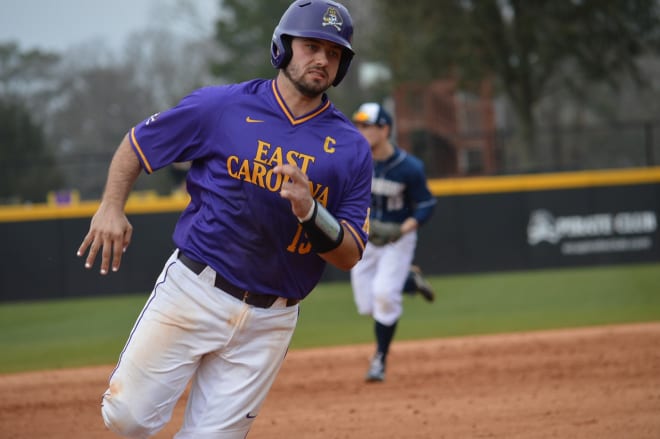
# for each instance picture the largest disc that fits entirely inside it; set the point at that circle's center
(280, 51)
(345, 62)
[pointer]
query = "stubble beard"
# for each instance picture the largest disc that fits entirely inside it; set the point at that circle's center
(309, 89)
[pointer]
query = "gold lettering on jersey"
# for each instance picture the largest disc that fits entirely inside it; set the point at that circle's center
(299, 159)
(327, 145)
(271, 157)
(259, 177)
(320, 193)
(259, 171)
(262, 175)
(305, 246)
(243, 171)
(262, 151)
(299, 244)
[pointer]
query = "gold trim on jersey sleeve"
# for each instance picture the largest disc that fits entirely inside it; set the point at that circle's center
(139, 151)
(355, 234)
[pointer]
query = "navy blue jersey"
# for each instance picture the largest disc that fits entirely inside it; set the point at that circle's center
(234, 135)
(399, 189)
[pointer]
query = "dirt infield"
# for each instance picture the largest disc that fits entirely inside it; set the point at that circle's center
(593, 383)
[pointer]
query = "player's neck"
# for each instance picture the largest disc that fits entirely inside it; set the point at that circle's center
(383, 151)
(296, 102)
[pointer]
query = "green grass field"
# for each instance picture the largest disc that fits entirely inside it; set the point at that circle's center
(80, 332)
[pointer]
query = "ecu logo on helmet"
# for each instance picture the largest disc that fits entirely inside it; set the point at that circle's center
(333, 18)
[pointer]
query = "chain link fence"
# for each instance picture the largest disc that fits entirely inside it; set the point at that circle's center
(557, 149)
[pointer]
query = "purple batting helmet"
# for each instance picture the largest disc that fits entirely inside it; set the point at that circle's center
(322, 19)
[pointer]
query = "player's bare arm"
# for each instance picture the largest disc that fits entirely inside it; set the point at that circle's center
(409, 225)
(346, 255)
(110, 231)
(296, 190)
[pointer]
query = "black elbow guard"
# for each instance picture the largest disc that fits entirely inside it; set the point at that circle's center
(323, 230)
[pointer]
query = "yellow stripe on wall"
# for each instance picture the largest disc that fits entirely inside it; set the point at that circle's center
(86, 209)
(439, 187)
(540, 182)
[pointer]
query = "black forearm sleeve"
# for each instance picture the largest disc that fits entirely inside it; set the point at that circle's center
(323, 230)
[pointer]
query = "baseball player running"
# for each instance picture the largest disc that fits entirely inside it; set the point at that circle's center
(400, 203)
(279, 186)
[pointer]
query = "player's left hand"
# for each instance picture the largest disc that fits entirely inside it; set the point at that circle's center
(295, 188)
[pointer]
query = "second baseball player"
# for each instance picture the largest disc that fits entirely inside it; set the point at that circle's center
(400, 203)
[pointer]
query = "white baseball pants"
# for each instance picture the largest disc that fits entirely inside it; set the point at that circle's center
(377, 280)
(188, 329)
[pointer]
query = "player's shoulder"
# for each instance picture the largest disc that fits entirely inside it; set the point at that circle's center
(251, 87)
(341, 118)
(238, 89)
(213, 100)
(343, 124)
(410, 161)
(413, 159)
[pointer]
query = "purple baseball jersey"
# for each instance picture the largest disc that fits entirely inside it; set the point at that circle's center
(236, 221)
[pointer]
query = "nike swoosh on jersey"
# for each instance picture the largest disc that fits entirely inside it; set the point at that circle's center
(248, 119)
(250, 415)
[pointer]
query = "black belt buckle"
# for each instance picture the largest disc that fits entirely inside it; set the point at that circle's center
(259, 300)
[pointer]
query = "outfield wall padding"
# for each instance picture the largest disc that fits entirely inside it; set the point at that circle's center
(480, 225)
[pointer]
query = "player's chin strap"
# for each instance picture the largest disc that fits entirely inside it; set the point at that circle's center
(322, 229)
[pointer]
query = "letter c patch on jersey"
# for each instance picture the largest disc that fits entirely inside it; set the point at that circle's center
(327, 146)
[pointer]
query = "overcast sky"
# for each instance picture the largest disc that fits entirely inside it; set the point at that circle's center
(60, 24)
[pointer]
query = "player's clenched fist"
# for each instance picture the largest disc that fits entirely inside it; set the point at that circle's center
(110, 232)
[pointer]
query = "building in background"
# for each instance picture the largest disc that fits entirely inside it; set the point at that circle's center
(451, 130)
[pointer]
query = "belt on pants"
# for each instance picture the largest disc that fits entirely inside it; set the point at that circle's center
(254, 299)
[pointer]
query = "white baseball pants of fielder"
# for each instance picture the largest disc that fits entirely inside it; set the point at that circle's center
(188, 329)
(378, 279)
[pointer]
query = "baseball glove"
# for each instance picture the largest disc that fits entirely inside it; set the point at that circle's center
(381, 233)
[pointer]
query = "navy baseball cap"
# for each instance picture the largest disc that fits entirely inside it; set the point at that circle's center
(372, 113)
